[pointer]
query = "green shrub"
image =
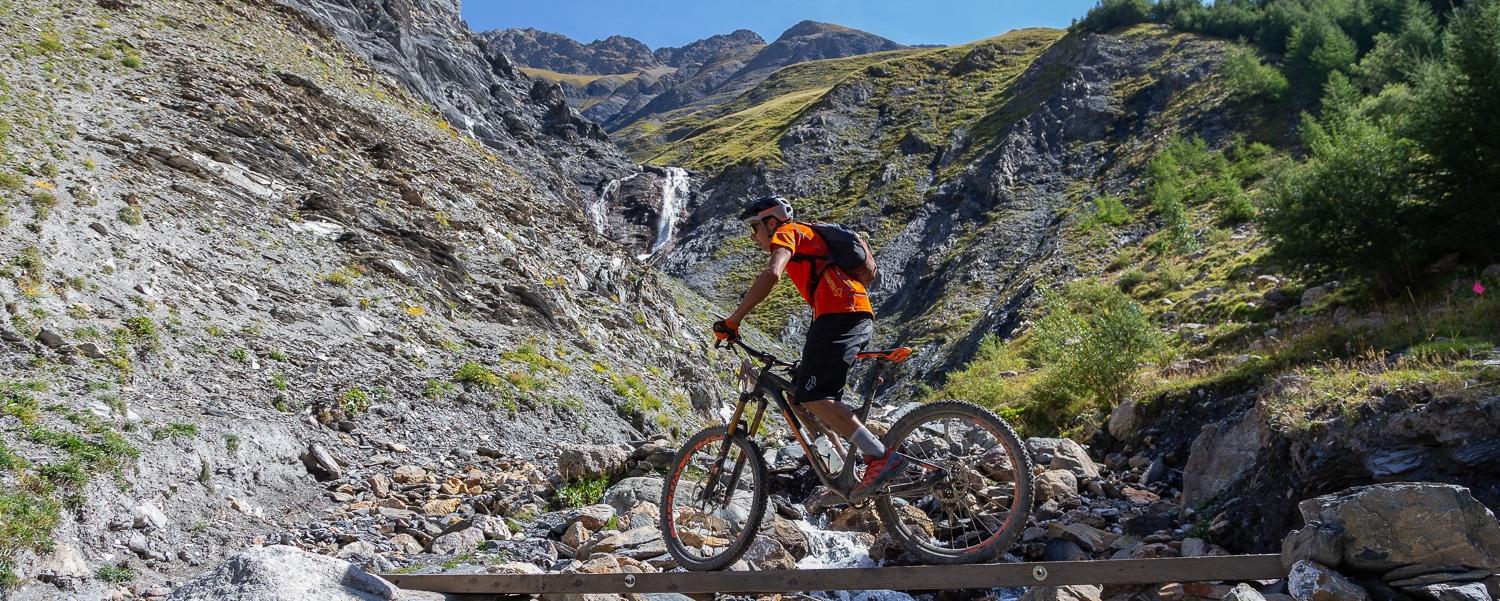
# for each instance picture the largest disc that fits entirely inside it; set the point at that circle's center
(1109, 210)
(477, 375)
(1249, 78)
(1352, 205)
(580, 493)
(985, 379)
(1112, 14)
(132, 215)
(1092, 341)
(50, 42)
(1130, 279)
(354, 401)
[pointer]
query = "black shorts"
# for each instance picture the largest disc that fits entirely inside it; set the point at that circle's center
(833, 340)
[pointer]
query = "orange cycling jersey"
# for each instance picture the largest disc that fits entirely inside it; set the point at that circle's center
(836, 291)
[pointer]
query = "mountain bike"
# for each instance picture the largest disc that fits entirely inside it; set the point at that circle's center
(963, 499)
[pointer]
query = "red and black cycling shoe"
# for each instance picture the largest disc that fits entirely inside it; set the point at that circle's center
(878, 472)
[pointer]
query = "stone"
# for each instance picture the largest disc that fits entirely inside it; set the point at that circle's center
(575, 535)
(1122, 420)
(321, 463)
(1244, 592)
(1451, 591)
(380, 484)
(1076, 592)
(493, 527)
(1063, 550)
(1312, 295)
(1056, 484)
(792, 538)
(626, 493)
(766, 553)
(441, 507)
(405, 543)
(458, 543)
(1438, 578)
(1194, 547)
(1071, 456)
(280, 572)
(1492, 272)
(409, 474)
(63, 565)
(643, 515)
(1219, 456)
(594, 517)
(356, 549)
(147, 516)
(1312, 581)
(576, 462)
(1322, 543)
(1391, 525)
(856, 519)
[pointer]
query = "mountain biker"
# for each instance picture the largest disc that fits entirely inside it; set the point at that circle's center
(843, 323)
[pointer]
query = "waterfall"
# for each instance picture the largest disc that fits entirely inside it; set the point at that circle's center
(674, 188)
(598, 211)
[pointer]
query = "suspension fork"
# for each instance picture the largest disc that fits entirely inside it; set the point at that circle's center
(730, 429)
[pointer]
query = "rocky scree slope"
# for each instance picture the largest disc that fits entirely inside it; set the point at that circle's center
(238, 259)
(707, 72)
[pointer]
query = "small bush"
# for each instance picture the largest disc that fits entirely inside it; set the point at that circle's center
(1109, 210)
(477, 375)
(132, 215)
(580, 493)
(1112, 14)
(50, 42)
(1130, 279)
(1249, 78)
(354, 401)
(342, 277)
(1092, 341)
(27, 519)
(10, 181)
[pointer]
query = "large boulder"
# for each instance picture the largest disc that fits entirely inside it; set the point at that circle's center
(626, 493)
(591, 461)
(1061, 453)
(1386, 526)
(1218, 457)
(280, 572)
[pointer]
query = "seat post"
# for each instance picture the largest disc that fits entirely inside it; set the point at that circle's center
(875, 382)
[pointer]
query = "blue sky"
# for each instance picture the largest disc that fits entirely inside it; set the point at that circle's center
(676, 22)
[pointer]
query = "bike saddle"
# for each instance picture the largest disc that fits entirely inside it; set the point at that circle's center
(894, 355)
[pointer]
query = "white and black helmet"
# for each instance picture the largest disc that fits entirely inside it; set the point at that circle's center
(766, 207)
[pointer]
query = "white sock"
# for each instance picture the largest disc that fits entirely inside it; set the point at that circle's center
(867, 443)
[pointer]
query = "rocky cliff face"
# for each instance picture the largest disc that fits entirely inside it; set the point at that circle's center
(229, 238)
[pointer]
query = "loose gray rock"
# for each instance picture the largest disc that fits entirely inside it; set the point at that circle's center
(626, 493)
(1244, 592)
(1391, 525)
(1312, 581)
(277, 573)
(458, 543)
(591, 461)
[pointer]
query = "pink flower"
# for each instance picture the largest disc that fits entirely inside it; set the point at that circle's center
(1478, 287)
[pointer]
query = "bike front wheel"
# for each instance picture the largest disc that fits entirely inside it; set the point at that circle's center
(972, 502)
(712, 502)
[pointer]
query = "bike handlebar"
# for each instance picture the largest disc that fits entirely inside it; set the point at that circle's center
(768, 358)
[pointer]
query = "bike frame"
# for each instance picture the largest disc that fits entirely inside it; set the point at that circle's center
(771, 387)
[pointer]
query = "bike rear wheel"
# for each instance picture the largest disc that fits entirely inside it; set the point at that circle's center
(976, 506)
(711, 509)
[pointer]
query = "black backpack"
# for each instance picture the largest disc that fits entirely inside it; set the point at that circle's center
(846, 249)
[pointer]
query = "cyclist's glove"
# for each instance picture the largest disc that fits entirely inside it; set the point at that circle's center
(725, 330)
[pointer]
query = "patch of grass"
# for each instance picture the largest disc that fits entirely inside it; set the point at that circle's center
(231, 443)
(342, 277)
(131, 215)
(477, 375)
(437, 389)
(581, 493)
(278, 381)
(27, 518)
(174, 431)
(50, 42)
(43, 202)
(115, 574)
(354, 401)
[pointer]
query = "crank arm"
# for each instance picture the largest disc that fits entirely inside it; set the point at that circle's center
(916, 489)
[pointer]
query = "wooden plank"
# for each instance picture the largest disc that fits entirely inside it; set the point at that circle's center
(1055, 573)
